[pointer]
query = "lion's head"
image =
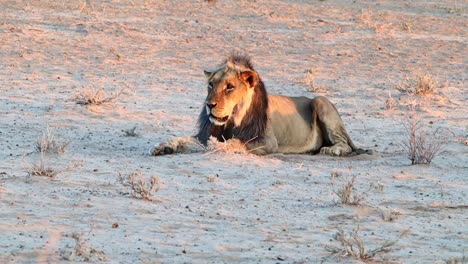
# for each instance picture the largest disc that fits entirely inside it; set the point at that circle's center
(236, 103)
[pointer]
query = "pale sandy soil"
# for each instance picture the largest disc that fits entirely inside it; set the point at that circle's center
(258, 209)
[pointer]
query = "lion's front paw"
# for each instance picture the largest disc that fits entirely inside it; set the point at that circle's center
(336, 150)
(161, 149)
(177, 145)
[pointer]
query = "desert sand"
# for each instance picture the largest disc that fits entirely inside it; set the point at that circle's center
(224, 206)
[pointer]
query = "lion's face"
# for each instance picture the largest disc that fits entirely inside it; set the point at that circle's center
(229, 95)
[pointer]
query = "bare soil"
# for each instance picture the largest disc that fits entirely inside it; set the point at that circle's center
(227, 207)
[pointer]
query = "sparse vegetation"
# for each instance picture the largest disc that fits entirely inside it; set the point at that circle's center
(420, 145)
(138, 185)
(352, 245)
(347, 195)
(422, 85)
(41, 169)
(92, 96)
(48, 143)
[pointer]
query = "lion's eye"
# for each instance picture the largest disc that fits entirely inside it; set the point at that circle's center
(210, 85)
(229, 87)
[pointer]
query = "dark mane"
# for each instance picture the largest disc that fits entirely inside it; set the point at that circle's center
(240, 61)
(255, 120)
(206, 129)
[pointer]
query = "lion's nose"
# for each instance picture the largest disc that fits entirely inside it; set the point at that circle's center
(211, 105)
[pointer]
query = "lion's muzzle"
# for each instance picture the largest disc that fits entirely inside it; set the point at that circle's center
(218, 120)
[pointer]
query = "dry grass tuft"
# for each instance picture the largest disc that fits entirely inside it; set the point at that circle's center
(138, 185)
(41, 169)
(390, 102)
(457, 260)
(366, 17)
(48, 143)
(407, 26)
(420, 145)
(347, 195)
(91, 96)
(309, 79)
(390, 215)
(130, 132)
(422, 85)
(228, 146)
(212, 178)
(352, 245)
(82, 250)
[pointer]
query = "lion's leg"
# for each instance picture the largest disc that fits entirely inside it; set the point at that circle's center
(332, 128)
(177, 145)
(268, 145)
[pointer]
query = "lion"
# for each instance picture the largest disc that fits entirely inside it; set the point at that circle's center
(238, 107)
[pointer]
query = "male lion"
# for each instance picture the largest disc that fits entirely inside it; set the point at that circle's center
(238, 107)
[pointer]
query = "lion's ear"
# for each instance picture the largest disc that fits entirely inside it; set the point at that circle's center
(249, 77)
(209, 71)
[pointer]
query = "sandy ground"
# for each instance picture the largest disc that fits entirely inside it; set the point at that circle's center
(227, 207)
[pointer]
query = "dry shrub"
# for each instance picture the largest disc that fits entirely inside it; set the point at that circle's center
(352, 245)
(48, 143)
(41, 169)
(138, 185)
(347, 195)
(422, 85)
(92, 96)
(420, 145)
